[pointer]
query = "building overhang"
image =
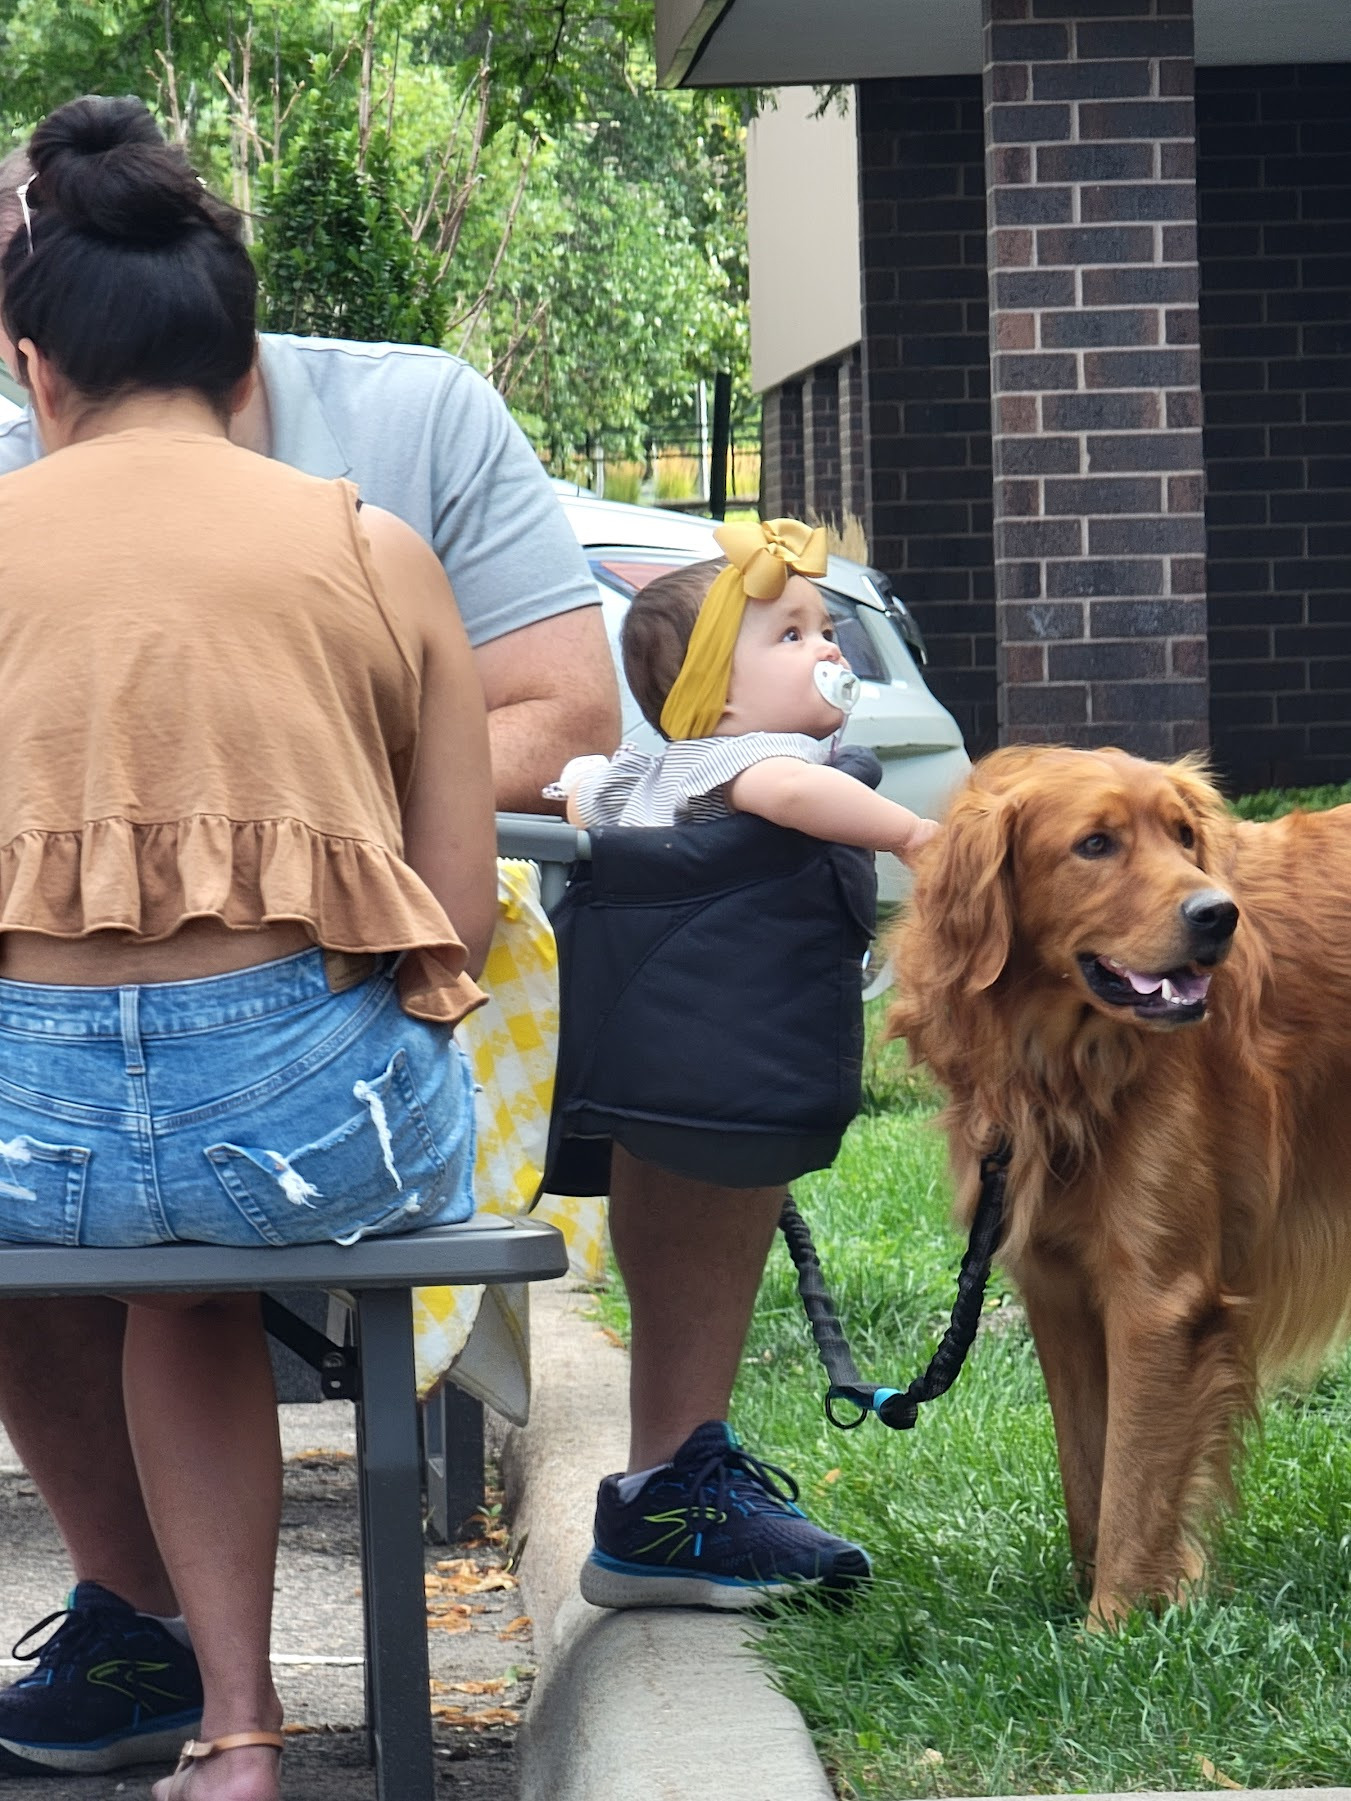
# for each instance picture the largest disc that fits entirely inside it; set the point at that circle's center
(786, 43)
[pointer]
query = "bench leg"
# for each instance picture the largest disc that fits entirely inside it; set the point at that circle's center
(452, 1428)
(394, 1598)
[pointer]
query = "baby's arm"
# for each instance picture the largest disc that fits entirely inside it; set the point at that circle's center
(827, 803)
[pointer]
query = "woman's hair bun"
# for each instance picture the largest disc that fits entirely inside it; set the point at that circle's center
(103, 166)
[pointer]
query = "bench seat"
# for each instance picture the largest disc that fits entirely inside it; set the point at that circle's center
(379, 1275)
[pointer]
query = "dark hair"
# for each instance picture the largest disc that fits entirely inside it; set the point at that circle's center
(137, 276)
(656, 633)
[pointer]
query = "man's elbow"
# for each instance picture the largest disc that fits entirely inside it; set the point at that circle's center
(589, 724)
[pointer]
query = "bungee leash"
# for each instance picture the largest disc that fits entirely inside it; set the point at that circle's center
(899, 1408)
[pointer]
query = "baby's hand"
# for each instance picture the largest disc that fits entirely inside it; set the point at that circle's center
(920, 834)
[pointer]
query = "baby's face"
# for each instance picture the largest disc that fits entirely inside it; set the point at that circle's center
(773, 686)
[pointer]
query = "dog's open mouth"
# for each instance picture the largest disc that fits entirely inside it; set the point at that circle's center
(1177, 995)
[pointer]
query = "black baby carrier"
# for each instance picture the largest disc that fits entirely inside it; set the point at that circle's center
(711, 1015)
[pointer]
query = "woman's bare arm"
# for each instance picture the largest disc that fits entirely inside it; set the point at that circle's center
(827, 803)
(449, 831)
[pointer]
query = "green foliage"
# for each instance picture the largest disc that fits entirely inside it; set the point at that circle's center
(335, 257)
(1271, 803)
(379, 147)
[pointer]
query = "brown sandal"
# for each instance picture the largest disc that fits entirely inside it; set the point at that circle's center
(196, 1749)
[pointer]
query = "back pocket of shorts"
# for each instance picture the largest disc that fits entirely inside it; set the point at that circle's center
(41, 1191)
(376, 1172)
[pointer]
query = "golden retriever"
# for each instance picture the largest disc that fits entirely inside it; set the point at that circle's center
(1151, 1002)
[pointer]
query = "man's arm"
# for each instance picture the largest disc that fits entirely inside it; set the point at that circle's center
(552, 695)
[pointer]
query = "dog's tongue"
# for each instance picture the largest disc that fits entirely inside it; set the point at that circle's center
(1141, 984)
(1181, 985)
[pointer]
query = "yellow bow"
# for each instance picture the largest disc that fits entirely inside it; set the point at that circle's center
(761, 557)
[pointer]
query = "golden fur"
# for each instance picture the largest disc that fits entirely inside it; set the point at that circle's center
(1179, 1200)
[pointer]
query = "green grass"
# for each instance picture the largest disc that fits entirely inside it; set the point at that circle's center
(966, 1670)
(1272, 802)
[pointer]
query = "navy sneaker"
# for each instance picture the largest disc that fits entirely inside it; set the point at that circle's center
(717, 1528)
(110, 1687)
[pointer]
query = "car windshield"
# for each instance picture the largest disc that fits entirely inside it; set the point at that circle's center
(626, 571)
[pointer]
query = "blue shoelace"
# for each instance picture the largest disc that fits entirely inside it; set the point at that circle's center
(731, 1466)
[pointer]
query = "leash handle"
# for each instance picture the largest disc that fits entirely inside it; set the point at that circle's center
(897, 1408)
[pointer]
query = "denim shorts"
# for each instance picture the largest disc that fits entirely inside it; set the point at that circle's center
(257, 1108)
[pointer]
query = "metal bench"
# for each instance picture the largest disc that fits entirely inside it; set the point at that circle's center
(378, 1274)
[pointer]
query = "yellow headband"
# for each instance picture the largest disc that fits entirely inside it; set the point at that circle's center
(760, 559)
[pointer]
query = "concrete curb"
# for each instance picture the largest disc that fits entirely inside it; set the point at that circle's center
(656, 1704)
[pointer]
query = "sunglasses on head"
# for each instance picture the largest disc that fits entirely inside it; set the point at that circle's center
(21, 195)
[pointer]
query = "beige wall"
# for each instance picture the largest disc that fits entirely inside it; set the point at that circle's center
(802, 200)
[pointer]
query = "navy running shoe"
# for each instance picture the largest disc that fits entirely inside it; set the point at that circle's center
(109, 1687)
(716, 1528)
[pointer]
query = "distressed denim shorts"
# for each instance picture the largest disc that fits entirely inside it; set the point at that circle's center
(257, 1108)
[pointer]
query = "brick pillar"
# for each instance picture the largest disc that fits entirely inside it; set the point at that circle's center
(853, 476)
(781, 471)
(821, 442)
(1098, 473)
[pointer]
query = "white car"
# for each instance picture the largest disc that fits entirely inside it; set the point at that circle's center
(916, 740)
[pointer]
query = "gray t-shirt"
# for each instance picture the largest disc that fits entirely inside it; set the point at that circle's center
(424, 436)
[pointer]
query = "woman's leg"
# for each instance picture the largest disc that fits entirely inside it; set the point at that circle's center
(202, 1413)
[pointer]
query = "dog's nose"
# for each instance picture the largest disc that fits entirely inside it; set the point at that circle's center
(1211, 917)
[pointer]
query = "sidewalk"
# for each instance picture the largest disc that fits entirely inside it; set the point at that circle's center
(655, 1704)
(317, 1637)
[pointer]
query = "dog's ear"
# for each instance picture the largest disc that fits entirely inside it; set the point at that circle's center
(964, 891)
(1212, 821)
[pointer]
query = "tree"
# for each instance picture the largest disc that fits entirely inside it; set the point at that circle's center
(336, 258)
(499, 176)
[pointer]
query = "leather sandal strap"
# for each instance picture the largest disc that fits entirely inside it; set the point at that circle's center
(232, 1741)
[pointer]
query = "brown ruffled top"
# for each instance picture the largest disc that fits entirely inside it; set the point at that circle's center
(206, 709)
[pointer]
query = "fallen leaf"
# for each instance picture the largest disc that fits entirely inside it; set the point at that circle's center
(493, 1686)
(487, 1716)
(495, 1579)
(1218, 1777)
(611, 1336)
(317, 1454)
(831, 1476)
(516, 1628)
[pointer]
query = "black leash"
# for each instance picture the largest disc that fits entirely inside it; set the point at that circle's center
(893, 1406)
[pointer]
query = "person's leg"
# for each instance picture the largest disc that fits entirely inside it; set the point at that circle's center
(61, 1404)
(202, 1413)
(691, 1256)
(699, 1521)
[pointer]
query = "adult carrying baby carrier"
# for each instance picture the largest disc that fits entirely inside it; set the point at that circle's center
(711, 1015)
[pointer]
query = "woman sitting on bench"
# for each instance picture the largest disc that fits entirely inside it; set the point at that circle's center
(244, 792)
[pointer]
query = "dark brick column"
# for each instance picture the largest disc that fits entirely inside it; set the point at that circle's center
(781, 468)
(821, 442)
(926, 374)
(1098, 474)
(1274, 149)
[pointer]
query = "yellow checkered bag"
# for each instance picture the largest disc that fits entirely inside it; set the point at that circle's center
(481, 1337)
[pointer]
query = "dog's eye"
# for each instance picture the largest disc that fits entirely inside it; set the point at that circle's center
(1186, 837)
(1097, 844)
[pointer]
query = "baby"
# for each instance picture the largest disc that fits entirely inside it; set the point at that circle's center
(736, 665)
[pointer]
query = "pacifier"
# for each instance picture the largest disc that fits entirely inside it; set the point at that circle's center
(838, 685)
